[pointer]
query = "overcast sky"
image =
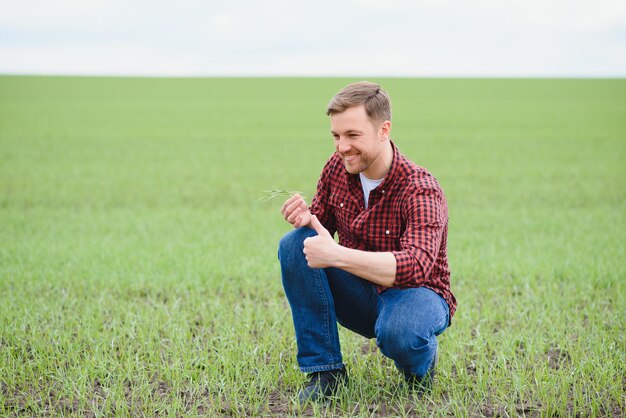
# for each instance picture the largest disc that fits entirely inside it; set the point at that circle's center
(321, 38)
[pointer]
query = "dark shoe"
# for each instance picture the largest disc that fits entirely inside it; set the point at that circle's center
(425, 383)
(322, 385)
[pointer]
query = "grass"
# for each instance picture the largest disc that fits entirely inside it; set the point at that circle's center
(138, 270)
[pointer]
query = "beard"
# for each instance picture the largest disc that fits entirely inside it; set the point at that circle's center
(358, 164)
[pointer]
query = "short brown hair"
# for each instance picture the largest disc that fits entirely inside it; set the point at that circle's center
(376, 100)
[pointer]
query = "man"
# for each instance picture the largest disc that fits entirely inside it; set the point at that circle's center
(388, 277)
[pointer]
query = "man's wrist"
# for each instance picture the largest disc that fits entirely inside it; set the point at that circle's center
(342, 257)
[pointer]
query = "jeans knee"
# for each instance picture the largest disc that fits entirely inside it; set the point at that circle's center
(404, 346)
(292, 244)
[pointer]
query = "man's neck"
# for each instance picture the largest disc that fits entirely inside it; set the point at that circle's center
(382, 165)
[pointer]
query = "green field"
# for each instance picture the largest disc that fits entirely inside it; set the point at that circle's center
(138, 271)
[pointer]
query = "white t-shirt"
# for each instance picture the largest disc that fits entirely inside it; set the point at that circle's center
(368, 185)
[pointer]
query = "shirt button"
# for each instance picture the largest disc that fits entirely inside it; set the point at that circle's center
(387, 232)
(341, 205)
(383, 191)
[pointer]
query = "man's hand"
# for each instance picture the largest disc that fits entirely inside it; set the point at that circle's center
(296, 211)
(321, 251)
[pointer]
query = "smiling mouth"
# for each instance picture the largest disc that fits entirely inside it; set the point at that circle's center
(351, 157)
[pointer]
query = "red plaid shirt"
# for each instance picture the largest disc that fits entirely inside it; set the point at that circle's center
(407, 215)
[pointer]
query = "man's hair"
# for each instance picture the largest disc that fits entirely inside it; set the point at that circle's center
(376, 100)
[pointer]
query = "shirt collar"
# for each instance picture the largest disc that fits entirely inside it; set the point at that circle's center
(394, 170)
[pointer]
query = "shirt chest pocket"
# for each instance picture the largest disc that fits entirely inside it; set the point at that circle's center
(384, 235)
(346, 210)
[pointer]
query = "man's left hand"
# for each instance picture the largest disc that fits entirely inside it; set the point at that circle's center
(321, 250)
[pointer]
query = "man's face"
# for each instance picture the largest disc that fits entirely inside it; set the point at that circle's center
(358, 139)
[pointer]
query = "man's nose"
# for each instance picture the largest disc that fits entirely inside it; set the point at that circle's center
(342, 146)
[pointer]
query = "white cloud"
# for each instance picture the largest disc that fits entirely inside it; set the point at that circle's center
(277, 37)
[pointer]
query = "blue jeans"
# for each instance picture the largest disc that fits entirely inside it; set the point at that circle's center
(405, 322)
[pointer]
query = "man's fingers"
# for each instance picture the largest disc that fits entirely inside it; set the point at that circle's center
(297, 223)
(316, 224)
(294, 205)
(311, 260)
(318, 227)
(294, 215)
(288, 202)
(300, 203)
(303, 218)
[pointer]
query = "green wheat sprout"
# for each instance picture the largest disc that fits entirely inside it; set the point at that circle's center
(273, 193)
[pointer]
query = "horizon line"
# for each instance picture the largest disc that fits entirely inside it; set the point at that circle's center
(431, 76)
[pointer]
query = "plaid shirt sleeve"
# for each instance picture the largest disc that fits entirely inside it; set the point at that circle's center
(319, 205)
(426, 215)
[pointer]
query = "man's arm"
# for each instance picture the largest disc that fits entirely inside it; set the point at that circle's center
(379, 268)
(409, 267)
(427, 214)
(322, 251)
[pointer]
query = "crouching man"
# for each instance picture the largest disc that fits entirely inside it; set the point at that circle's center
(388, 277)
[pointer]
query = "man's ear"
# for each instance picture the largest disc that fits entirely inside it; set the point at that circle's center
(385, 129)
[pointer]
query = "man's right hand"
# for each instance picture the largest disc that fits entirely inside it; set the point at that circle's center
(296, 211)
